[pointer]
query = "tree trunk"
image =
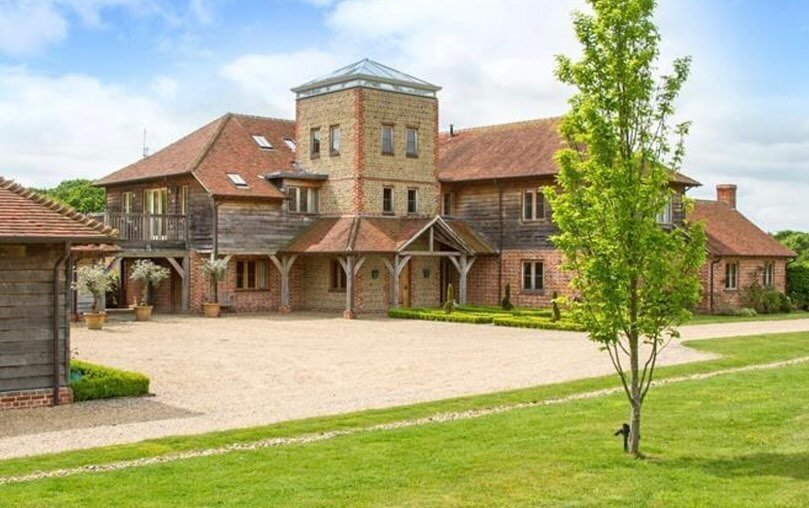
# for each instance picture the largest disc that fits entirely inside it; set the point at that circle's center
(634, 430)
(635, 396)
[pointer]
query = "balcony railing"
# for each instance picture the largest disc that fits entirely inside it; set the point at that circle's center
(149, 230)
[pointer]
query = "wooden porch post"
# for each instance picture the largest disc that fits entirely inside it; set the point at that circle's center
(351, 266)
(463, 265)
(395, 270)
(284, 265)
(187, 284)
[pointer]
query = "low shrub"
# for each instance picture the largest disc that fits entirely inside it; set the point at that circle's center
(506, 303)
(539, 323)
(432, 315)
(798, 275)
(90, 382)
(516, 311)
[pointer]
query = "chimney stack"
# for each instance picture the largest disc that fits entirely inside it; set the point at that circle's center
(726, 193)
(451, 130)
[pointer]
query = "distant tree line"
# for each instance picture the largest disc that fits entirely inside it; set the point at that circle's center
(78, 193)
(798, 271)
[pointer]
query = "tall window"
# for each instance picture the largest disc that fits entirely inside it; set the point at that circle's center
(769, 275)
(412, 200)
(447, 205)
(251, 274)
(412, 142)
(387, 139)
(314, 143)
(533, 275)
(183, 198)
(533, 205)
(731, 275)
(128, 202)
(337, 276)
(665, 216)
(302, 199)
(387, 200)
(334, 140)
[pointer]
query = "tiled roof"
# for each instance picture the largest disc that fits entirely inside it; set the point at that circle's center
(732, 234)
(374, 234)
(223, 146)
(510, 150)
(25, 215)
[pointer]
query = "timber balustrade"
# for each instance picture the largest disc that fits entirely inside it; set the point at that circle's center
(149, 230)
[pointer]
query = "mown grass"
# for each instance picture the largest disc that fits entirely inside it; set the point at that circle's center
(704, 319)
(732, 440)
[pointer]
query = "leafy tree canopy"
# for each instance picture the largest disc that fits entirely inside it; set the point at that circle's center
(797, 241)
(78, 193)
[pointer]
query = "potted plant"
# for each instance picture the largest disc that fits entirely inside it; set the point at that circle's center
(150, 275)
(214, 270)
(95, 280)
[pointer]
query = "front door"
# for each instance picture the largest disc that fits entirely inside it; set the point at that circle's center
(404, 286)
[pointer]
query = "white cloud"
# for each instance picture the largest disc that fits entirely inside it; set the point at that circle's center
(165, 87)
(28, 27)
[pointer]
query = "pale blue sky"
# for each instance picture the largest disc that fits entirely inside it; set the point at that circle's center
(81, 79)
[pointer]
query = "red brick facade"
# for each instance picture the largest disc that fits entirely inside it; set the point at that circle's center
(26, 399)
(750, 271)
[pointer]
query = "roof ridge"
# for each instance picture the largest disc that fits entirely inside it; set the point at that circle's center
(56, 206)
(223, 120)
(503, 126)
(261, 117)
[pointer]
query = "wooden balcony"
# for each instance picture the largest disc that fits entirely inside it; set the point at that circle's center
(147, 231)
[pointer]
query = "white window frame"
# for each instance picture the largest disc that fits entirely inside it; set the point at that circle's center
(732, 282)
(392, 201)
(262, 142)
(415, 192)
(305, 199)
(238, 180)
(334, 148)
(291, 144)
(315, 137)
(769, 274)
(532, 264)
(533, 196)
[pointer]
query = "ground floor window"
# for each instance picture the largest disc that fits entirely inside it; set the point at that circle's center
(252, 274)
(533, 275)
(731, 275)
(769, 275)
(337, 276)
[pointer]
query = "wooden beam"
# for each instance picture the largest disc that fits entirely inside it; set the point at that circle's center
(437, 253)
(173, 262)
(348, 266)
(186, 300)
(358, 265)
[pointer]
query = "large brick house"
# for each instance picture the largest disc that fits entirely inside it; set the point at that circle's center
(357, 205)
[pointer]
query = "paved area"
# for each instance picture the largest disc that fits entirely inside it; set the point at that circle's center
(241, 371)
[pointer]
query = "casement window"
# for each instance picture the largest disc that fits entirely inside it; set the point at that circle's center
(252, 274)
(387, 139)
(731, 275)
(769, 275)
(387, 200)
(337, 276)
(128, 202)
(412, 142)
(334, 140)
(666, 215)
(412, 200)
(447, 204)
(533, 205)
(302, 199)
(314, 143)
(533, 273)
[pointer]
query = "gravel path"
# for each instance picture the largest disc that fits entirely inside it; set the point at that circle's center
(242, 371)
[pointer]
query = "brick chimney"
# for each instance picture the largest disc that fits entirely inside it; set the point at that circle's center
(726, 193)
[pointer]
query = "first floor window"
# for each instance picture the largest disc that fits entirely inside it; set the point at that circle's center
(251, 274)
(533, 205)
(314, 143)
(302, 199)
(666, 215)
(183, 200)
(337, 277)
(412, 201)
(769, 275)
(387, 200)
(447, 203)
(334, 140)
(128, 202)
(412, 142)
(731, 275)
(533, 275)
(387, 139)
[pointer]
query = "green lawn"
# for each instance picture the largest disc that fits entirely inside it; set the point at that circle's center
(732, 440)
(704, 319)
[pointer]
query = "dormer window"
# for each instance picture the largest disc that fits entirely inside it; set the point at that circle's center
(290, 143)
(262, 142)
(237, 180)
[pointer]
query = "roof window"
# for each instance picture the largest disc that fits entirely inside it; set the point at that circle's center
(237, 180)
(290, 143)
(262, 142)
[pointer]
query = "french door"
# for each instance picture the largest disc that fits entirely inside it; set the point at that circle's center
(156, 206)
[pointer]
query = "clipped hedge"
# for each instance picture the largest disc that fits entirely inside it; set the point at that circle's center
(90, 382)
(544, 324)
(516, 311)
(433, 315)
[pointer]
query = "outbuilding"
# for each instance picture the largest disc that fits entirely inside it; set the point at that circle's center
(36, 237)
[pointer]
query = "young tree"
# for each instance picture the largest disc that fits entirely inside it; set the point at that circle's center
(635, 279)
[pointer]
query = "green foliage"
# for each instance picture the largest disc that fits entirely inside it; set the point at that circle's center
(480, 314)
(557, 315)
(450, 304)
(150, 275)
(798, 241)
(765, 301)
(214, 270)
(798, 275)
(94, 279)
(99, 382)
(435, 315)
(79, 194)
(539, 323)
(739, 312)
(506, 303)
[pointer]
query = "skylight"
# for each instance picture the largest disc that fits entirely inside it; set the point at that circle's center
(237, 180)
(262, 142)
(290, 143)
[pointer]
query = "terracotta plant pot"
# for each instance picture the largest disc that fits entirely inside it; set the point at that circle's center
(211, 309)
(143, 312)
(94, 320)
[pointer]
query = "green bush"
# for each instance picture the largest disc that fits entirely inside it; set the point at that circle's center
(450, 304)
(432, 315)
(765, 301)
(799, 284)
(544, 324)
(90, 382)
(506, 303)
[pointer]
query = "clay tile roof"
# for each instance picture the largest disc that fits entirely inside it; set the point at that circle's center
(732, 234)
(329, 235)
(510, 150)
(223, 146)
(25, 215)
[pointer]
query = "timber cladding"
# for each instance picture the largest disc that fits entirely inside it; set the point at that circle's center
(27, 317)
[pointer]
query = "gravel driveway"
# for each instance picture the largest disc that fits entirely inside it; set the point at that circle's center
(246, 370)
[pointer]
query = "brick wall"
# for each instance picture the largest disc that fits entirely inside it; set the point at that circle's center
(316, 285)
(750, 270)
(482, 281)
(165, 298)
(25, 399)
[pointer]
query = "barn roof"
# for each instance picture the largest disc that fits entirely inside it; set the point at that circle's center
(28, 216)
